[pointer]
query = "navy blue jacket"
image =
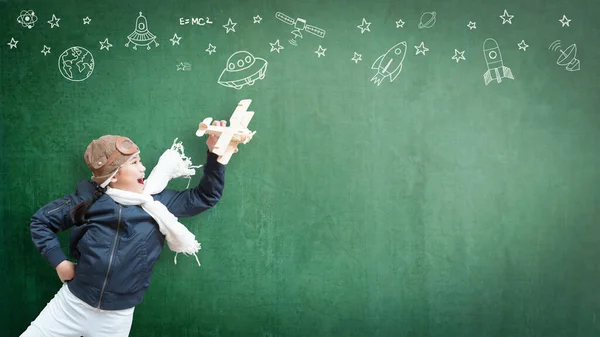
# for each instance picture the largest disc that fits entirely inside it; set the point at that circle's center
(118, 245)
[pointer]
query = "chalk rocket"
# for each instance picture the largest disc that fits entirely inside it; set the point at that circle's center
(495, 65)
(389, 64)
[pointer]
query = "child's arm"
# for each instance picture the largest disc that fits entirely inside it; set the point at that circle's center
(55, 217)
(195, 200)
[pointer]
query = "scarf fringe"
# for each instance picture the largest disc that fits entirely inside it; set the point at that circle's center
(178, 147)
(196, 256)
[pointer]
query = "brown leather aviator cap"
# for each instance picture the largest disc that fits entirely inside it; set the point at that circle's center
(106, 154)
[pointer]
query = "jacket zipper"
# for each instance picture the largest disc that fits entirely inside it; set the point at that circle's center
(59, 207)
(112, 254)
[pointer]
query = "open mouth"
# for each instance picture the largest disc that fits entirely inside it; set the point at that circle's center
(140, 181)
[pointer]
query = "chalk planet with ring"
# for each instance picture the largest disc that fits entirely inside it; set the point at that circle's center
(427, 20)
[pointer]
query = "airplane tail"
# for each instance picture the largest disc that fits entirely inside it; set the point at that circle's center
(203, 127)
(246, 118)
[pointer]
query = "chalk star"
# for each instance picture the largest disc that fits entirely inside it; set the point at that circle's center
(522, 45)
(211, 49)
(257, 19)
(458, 55)
(46, 50)
(321, 51)
(400, 24)
(175, 39)
(54, 21)
(180, 66)
(105, 44)
(565, 21)
(364, 26)
(276, 46)
(506, 17)
(13, 43)
(471, 25)
(421, 49)
(357, 57)
(86, 20)
(230, 26)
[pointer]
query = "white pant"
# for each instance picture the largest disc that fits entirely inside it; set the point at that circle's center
(68, 316)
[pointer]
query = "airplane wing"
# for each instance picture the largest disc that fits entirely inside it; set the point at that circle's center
(239, 119)
(238, 114)
(223, 142)
(224, 158)
(247, 118)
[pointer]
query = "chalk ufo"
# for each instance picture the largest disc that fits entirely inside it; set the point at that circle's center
(242, 68)
(141, 36)
(427, 20)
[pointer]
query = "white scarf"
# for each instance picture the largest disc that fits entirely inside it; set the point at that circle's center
(172, 164)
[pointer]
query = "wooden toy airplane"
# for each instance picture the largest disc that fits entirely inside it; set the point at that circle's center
(229, 136)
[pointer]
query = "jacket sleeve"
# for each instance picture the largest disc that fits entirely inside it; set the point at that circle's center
(195, 200)
(55, 217)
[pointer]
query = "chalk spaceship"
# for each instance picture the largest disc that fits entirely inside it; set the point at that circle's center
(427, 20)
(389, 64)
(242, 68)
(493, 60)
(141, 36)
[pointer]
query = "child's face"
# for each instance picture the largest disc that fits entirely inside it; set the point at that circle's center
(130, 176)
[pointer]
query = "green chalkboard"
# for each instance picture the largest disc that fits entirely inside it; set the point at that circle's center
(389, 190)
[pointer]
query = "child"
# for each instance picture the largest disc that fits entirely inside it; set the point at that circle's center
(118, 235)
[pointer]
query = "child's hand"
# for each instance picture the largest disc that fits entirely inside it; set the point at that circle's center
(212, 139)
(66, 271)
